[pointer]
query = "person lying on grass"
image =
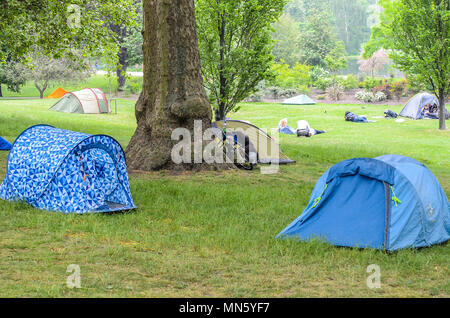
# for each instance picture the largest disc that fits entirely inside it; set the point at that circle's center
(349, 116)
(304, 130)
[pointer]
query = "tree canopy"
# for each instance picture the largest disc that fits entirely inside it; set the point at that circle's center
(417, 33)
(57, 26)
(235, 42)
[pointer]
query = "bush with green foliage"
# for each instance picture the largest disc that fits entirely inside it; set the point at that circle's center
(134, 86)
(323, 83)
(350, 82)
(370, 82)
(398, 88)
(295, 77)
(365, 96)
(380, 96)
(385, 89)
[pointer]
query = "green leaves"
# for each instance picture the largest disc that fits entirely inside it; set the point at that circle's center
(56, 26)
(235, 45)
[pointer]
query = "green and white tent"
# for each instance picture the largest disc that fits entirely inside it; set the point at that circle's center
(299, 100)
(86, 101)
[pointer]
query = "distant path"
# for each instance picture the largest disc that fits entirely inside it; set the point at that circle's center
(17, 97)
(134, 74)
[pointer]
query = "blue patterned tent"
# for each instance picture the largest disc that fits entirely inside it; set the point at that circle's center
(65, 171)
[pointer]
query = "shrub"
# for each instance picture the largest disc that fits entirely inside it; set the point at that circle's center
(398, 88)
(385, 89)
(293, 77)
(365, 96)
(380, 96)
(350, 82)
(321, 97)
(134, 86)
(318, 73)
(323, 83)
(370, 82)
(335, 92)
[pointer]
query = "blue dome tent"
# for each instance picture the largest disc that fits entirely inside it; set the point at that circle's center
(4, 144)
(65, 171)
(390, 202)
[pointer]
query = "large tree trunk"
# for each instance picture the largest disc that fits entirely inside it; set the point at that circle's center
(442, 100)
(1, 93)
(173, 95)
(122, 72)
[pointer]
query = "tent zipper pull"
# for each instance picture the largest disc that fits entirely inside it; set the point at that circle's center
(394, 197)
(317, 200)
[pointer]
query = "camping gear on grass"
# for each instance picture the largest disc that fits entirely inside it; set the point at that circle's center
(299, 100)
(5, 144)
(86, 101)
(66, 171)
(268, 150)
(390, 114)
(58, 93)
(390, 202)
(415, 108)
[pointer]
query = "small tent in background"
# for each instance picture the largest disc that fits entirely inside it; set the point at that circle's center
(268, 150)
(390, 202)
(58, 93)
(413, 109)
(64, 171)
(86, 101)
(299, 100)
(5, 144)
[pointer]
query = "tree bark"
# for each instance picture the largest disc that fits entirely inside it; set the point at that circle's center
(173, 95)
(1, 93)
(122, 72)
(442, 100)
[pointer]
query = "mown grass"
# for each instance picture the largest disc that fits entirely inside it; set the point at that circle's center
(212, 234)
(98, 81)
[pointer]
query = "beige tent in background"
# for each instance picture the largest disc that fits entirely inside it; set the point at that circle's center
(269, 152)
(86, 101)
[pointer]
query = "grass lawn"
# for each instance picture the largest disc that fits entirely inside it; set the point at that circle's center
(212, 234)
(99, 81)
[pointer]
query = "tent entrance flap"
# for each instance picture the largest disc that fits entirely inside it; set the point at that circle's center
(352, 212)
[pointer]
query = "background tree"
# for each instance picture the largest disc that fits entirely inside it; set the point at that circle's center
(376, 62)
(235, 47)
(350, 22)
(317, 38)
(421, 46)
(58, 26)
(334, 61)
(349, 19)
(287, 37)
(44, 70)
(11, 75)
(129, 40)
(173, 94)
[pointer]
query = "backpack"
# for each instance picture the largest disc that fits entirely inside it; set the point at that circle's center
(390, 114)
